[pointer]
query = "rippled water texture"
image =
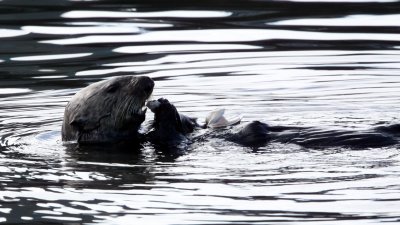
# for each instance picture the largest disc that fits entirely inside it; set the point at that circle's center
(306, 63)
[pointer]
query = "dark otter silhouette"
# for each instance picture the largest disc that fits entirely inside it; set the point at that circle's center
(257, 134)
(171, 128)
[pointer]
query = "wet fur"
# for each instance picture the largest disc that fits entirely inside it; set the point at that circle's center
(256, 134)
(169, 129)
(107, 111)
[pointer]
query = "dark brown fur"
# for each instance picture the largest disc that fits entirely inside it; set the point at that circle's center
(107, 111)
(169, 127)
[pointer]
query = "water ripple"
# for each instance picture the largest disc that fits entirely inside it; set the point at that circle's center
(51, 57)
(134, 14)
(7, 33)
(226, 35)
(304, 63)
(81, 30)
(352, 20)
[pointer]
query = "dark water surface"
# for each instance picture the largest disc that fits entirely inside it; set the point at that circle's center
(326, 64)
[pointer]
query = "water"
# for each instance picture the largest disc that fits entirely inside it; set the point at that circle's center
(326, 64)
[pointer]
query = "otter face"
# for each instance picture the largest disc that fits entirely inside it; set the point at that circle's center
(126, 98)
(107, 111)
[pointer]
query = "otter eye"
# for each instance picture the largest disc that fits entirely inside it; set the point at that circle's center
(112, 88)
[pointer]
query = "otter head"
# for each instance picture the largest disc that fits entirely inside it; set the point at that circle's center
(107, 111)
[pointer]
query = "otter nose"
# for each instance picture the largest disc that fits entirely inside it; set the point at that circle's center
(147, 83)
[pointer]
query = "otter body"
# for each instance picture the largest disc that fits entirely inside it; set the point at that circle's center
(257, 134)
(172, 127)
(107, 111)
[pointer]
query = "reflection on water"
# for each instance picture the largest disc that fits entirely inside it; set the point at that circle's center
(50, 57)
(353, 20)
(320, 63)
(82, 29)
(133, 14)
(226, 35)
(5, 33)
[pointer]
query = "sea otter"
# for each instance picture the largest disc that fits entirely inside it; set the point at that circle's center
(108, 111)
(171, 127)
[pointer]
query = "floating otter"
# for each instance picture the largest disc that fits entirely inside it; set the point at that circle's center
(112, 111)
(108, 111)
(171, 128)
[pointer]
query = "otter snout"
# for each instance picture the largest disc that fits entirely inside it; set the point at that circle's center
(147, 85)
